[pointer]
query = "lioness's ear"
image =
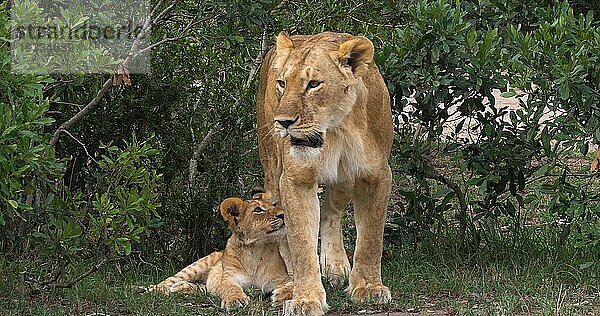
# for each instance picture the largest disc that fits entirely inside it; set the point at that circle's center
(231, 210)
(256, 192)
(284, 48)
(357, 54)
(261, 196)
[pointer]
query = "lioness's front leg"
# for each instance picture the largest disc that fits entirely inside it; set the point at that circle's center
(334, 261)
(300, 201)
(370, 204)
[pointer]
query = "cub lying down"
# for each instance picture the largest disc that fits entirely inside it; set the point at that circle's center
(252, 257)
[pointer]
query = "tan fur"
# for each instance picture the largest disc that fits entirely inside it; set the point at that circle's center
(252, 257)
(328, 91)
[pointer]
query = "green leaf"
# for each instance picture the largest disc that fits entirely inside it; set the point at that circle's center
(483, 187)
(471, 37)
(510, 208)
(584, 148)
(542, 171)
(586, 265)
(8, 131)
(31, 135)
(508, 94)
(40, 235)
(44, 121)
(13, 203)
(127, 247)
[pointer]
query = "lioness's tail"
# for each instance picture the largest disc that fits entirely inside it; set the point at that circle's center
(191, 279)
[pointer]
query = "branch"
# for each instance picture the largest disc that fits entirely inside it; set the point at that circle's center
(463, 208)
(264, 44)
(85, 274)
(196, 155)
(77, 117)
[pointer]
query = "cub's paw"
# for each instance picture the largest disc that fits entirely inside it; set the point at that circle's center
(235, 301)
(375, 292)
(282, 293)
(187, 287)
(142, 289)
(158, 288)
(304, 307)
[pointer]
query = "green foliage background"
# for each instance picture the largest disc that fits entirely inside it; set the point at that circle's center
(144, 171)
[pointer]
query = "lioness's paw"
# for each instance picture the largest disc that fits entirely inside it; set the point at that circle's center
(304, 307)
(235, 301)
(282, 294)
(376, 292)
(337, 272)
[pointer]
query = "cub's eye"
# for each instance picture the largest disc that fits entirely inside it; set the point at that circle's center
(281, 84)
(258, 210)
(314, 83)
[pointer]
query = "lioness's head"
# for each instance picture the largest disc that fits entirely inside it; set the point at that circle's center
(253, 220)
(318, 84)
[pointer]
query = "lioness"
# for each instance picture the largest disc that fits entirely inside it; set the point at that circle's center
(252, 257)
(324, 117)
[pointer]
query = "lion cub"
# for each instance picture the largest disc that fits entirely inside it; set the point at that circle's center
(253, 256)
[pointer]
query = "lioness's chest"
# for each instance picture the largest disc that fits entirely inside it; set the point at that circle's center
(343, 159)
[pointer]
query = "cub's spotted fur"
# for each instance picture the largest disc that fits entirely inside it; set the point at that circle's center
(254, 256)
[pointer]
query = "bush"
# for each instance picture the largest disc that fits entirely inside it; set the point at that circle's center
(446, 64)
(106, 225)
(27, 170)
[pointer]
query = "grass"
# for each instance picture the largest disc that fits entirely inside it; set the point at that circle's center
(533, 271)
(522, 279)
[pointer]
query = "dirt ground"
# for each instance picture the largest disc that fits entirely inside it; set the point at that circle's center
(420, 313)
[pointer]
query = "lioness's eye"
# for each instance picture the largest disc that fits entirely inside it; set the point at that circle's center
(314, 83)
(281, 84)
(258, 210)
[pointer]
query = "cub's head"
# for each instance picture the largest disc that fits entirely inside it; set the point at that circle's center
(318, 83)
(253, 220)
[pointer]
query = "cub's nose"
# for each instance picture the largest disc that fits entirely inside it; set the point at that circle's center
(286, 123)
(280, 216)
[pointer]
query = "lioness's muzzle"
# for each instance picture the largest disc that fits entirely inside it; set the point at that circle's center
(313, 140)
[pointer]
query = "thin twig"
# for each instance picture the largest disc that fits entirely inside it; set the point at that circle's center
(82, 145)
(165, 11)
(181, 35)
(68, 103)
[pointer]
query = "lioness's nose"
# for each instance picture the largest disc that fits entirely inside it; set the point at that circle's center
(280, 216)
(286, 123)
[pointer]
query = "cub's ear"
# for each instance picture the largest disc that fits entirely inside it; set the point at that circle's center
(357, 54)
(232, 209)
(284, 48)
